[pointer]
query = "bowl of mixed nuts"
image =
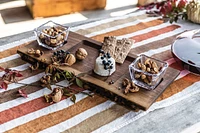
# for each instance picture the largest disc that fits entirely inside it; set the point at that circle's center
(147, 72)
(51, 35)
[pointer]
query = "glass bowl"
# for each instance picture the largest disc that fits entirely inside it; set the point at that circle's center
(51, 35)
(147, 72)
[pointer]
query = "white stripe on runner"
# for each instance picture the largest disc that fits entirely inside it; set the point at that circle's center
(39, 113)
(120, 26)
(133, 116)
(18, 68)
(96, 23)
(140, 32)
(37, 94)
(16, 43)
(156, 51)
(159, 37)
(28, 80)
(78, 118)
(8, 58)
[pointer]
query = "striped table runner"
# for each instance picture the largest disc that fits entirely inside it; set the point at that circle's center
(33, 114)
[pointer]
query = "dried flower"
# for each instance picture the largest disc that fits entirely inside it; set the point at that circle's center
(171, 9)
(9, 76)
(22, 93)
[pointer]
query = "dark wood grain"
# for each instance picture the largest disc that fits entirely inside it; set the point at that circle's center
(142, 99)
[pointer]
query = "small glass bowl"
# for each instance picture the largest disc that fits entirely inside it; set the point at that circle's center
(152, 79)
(51, 35)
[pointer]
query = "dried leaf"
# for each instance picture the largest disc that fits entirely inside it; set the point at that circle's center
(57, 75)
(65, 91)
(50, 69)
(68, 74)
(81, 75)
(55, 79)
(47, 70)
(22, 93)
(18, 74)
(48, 86)
(46, 98)
(4, 85)
(73, 98)
(79, 82)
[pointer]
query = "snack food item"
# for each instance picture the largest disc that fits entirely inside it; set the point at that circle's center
(122, 49)
(147, 72)
(129, 86)
(149, 66)
(109, 44)
(81, 54)
(104, 65)
(53, 36)
(36, 53)
(118, 49)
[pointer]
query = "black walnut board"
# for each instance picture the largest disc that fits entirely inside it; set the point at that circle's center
(140, 100)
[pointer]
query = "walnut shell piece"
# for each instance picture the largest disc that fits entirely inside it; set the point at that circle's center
(57, 94)
(70, 59)
(127, 88)
(45, 79)
(130, 86)
(31, 51)
(38, 53)
(81, 54)
(125, 82)
(134, 89)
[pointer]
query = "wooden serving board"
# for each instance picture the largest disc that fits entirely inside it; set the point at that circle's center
(142, 99)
